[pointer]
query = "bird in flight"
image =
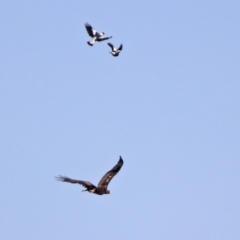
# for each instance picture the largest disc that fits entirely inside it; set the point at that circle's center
(95, 35)
(102, 185)
(115, 52)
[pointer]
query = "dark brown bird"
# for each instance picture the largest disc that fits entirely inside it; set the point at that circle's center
(102, 185)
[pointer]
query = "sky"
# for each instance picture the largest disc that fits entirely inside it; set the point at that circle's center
(169, 105)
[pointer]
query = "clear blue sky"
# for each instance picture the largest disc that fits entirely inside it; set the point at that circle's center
(169, 105)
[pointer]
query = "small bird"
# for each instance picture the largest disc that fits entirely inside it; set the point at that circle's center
(115, 52)
(102, 185)
(95, 35)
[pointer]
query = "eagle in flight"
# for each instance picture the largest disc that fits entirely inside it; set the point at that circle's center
(102, 185)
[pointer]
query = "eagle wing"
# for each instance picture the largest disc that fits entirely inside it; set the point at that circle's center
(91, 31)
(110, 174)
(85, 184)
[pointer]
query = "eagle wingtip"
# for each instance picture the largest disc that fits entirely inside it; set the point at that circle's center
(60, 178)
(120, 159)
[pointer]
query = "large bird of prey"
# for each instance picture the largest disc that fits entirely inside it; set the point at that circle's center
(95, 35)
(102, 185)
(115, 52)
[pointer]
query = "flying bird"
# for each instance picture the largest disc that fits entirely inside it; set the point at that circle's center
(95, 35)
(115, 52)
(102, 185)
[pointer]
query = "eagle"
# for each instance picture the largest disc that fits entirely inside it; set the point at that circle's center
(102, 185)
(95, 35)
(115, 52)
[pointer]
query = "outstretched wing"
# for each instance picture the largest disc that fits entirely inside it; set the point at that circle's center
(103, 38)
(110, 174)
(91, 31)
(111, 46)
(86, 184)
(120, 48)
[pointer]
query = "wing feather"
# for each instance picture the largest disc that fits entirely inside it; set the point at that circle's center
(120, 48)
(103, 38)
(91, 31)
(86, 184)
(111, 46)
(110, 174)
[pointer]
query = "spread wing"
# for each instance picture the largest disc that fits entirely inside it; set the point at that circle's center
(91, 31)
(120, 48)
(111, 46)
(110, 174)
(103, 37)
(86, 184)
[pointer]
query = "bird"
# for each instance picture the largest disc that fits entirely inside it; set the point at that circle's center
(115, 52)
(95, 35)
(103, 183)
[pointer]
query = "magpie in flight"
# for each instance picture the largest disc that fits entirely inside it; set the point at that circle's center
(115, 52)
(96, 36)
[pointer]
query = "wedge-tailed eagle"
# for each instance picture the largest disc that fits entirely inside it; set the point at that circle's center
(102, 185)
(115, 52)
(95, 35)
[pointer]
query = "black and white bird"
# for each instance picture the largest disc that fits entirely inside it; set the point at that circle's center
(115, 52)
(96, 37)
(102, 185)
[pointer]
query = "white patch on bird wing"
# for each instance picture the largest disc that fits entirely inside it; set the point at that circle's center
(109, 177)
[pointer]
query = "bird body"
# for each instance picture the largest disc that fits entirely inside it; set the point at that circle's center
(103, 183)
(115, 52)
(96, 37)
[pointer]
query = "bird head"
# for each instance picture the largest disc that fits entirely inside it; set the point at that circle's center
(108, 192)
